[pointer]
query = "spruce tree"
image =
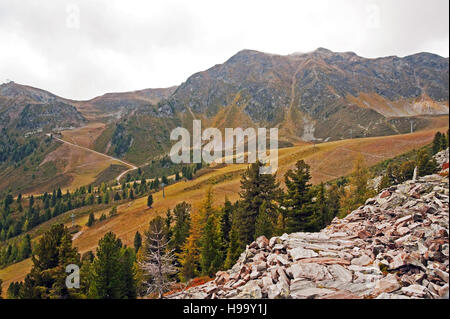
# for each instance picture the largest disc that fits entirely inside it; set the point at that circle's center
(189, 258)
(226, 220)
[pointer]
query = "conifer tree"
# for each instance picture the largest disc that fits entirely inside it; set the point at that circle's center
(157, 260)
(256, 189)
(210, 246)
(137, 241)
(437, 142)
(298, 198)
(226, 221)
(47, 276)
(181, 227)
(150, 200)
(235, 247)
(359, 190)
(263, 226)
(106, 272)
(189, 258)
(426, 164)
(91, 219)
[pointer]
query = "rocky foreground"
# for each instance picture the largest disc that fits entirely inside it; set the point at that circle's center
(395, 246)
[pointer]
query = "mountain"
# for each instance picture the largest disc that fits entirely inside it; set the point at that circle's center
(28, 109)
(316, 96)
(121, 103)
(321, 94)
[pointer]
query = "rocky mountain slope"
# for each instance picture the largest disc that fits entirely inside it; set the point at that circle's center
(316, 96)
(322, 94)
(395, 246)
(28, 109)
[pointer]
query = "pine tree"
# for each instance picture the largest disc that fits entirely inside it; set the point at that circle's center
(321, 216)
(334, 194)
(298, 198)
(437, 142)
(226, 220)
(256, 189)
(127, 259)
(91, 219)
(106, 280)
(263, 226)
(210, 247)
(182, 226)
(137, 241)
(25, 247)
(52, 254)
(235, 247)
(426, 164)
(150, 200)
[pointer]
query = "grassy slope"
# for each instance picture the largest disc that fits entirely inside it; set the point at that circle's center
(327, 160)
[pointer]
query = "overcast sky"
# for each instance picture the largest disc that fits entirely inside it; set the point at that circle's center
(81, 49)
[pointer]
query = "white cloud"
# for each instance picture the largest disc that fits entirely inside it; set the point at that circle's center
(128, 45)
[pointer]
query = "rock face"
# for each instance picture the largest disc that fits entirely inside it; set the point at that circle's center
(393, 247)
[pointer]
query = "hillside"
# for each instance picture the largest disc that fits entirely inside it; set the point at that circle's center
(328, 161)
(393, 247)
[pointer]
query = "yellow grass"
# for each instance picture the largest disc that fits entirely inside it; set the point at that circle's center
(84, 136)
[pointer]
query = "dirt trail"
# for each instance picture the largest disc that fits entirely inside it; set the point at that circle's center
(132, 167)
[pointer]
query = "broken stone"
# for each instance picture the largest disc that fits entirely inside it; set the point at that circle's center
(362, 261)
(386, 284)
(300, 253)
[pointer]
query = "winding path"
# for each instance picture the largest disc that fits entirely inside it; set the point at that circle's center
(132, 167)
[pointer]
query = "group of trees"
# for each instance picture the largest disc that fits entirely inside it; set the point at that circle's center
(20, 215)
(121, 140)
(424, 164)
(109, 274)
(440, 142)
(14, 148)
(16, 251)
